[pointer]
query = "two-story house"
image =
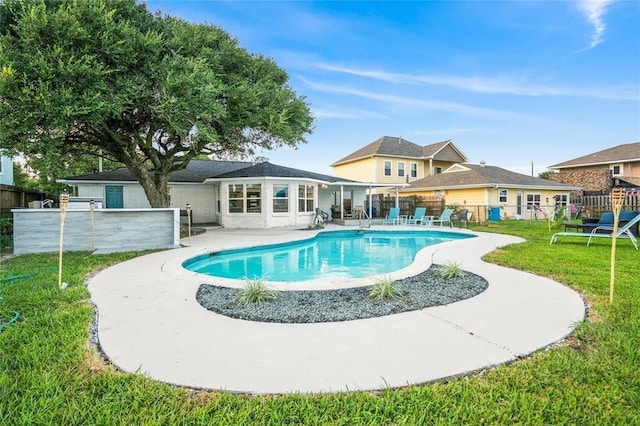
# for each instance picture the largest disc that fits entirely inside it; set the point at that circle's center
(394, 160)
(599, 171)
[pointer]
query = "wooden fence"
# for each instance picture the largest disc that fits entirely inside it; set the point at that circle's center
(12, 197)
(599, 203)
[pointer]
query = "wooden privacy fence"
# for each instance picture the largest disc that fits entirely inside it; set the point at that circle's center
(12, 197)
(600, 203)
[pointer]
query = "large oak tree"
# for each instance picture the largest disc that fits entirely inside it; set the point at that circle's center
(150, 91)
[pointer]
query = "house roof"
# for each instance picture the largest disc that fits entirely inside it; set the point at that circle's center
(398, 147)
(477, 175)
(617, 154)
(196, 171)
(267, 169)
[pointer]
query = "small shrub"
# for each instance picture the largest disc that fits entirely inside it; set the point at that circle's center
(450, 270)
(558, 218)
(385, 289)
(255, 291)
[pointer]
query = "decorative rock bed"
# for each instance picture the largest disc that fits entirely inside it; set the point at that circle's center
(421, 291)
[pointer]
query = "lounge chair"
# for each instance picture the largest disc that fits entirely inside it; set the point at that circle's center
(393, 217)
(604, 231)
(417, 216)
(445, 217)
(588, 224)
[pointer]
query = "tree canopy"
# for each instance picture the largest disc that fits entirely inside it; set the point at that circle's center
(151, 91)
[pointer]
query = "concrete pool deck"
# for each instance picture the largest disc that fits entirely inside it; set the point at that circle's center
(150, 323)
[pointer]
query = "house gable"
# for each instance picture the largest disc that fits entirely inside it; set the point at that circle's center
(395, 160)
(444, 151)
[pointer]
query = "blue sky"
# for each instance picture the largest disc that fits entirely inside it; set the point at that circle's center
(510, 82)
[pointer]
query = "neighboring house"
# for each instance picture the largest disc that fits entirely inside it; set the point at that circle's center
(394, 160)
(233, 194)
(602, 170)
(6, 170)
(483, 189)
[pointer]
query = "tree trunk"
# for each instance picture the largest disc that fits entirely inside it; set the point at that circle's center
(154, 185)
(158, 193)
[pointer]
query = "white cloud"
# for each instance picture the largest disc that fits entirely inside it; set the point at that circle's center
(497, 85)
(595, 11)
(412, 103)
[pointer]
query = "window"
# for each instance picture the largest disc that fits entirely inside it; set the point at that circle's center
(502, 195)
(245, 198)
(414, 170)
(387, 168)
(400, 169)
(305, 198)
(280, 198)
(616, 170)
(561, 200)
(253, 198)
(236, 198)
(437, 170)
(533, 201)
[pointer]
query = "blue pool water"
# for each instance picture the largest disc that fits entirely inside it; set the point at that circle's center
(347, 254)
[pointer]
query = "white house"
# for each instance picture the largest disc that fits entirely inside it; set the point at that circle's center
(235, 194)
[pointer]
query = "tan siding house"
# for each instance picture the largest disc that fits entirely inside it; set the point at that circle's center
(600, 171)
(394, 160)
(488, 189)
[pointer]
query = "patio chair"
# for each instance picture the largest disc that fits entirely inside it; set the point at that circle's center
(445, 217)
(324, 216)
(461, 216)
(604, 231)
(393, 217)
(417, 216)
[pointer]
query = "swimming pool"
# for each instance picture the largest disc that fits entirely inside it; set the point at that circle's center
(336, 254)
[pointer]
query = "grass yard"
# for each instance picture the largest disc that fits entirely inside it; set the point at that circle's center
(50, 373)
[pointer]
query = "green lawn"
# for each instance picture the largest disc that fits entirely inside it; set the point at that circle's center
(50, 374)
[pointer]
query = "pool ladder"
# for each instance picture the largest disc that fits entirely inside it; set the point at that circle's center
(361, 214)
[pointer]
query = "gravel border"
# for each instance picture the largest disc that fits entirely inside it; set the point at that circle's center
(421, 291)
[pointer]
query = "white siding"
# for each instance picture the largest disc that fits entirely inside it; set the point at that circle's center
(202, 199)
(133, 194)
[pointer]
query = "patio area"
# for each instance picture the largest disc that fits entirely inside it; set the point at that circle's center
(150, 323)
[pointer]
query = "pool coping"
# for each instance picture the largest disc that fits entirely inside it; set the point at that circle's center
(150, 323)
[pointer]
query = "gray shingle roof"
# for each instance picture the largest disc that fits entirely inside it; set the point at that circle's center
(617, 154)
(397, 147)
(199, 170)
(267, 169)
(196, 171)
(476, 175)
